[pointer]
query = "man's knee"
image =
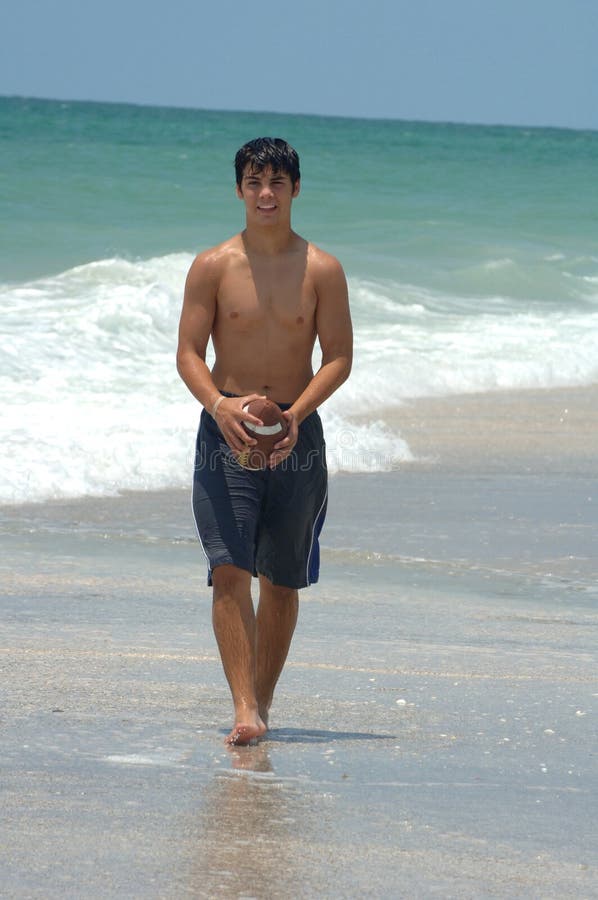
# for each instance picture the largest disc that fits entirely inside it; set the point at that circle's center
(278, 593)
(230, 582)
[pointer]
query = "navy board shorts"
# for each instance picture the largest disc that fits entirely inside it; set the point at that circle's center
(266, 521)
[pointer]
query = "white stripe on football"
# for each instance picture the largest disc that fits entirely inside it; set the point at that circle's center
(263, 429)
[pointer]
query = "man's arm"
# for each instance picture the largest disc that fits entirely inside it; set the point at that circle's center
(335, 335)
(195, 328)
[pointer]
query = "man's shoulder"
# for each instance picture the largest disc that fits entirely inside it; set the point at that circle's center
(220, 254)
(211, 264)
(322, 263)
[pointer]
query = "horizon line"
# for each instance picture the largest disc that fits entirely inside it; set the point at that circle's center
(305, 115)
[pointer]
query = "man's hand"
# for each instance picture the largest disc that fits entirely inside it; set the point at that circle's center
(229, 416)
(285, 447)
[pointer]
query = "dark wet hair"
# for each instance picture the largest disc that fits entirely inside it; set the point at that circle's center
(265, 152)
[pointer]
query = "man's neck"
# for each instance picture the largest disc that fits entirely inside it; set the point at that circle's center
(268, 241)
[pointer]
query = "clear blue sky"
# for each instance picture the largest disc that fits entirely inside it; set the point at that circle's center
(523, 62)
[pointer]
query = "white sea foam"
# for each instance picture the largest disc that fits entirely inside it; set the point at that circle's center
(92, 403)
(412, 342)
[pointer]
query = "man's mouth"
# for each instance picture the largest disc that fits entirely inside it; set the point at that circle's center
(267, 208)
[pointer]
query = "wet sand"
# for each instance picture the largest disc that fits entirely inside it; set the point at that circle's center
(531, 431)
(434, 730)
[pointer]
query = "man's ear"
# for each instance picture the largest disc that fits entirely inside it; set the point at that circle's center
(239, 192)
(296, 188)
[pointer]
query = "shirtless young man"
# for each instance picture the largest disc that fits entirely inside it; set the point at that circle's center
(263, 296)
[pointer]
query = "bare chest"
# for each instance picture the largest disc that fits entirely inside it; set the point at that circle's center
(280, 295)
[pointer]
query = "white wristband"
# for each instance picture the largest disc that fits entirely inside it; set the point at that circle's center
(216, 405)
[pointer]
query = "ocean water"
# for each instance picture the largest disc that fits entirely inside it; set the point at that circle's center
(471, 254)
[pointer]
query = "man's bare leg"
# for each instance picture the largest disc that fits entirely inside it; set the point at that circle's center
(276, 619)
(234, 624)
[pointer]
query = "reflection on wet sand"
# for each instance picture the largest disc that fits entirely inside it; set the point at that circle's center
(250, 823)
(251, 759)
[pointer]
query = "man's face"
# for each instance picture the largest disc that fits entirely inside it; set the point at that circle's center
(267, 194)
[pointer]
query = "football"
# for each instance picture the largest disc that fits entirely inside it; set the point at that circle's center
(273, 430)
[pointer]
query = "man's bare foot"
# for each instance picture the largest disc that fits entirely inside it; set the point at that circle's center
(243, 735)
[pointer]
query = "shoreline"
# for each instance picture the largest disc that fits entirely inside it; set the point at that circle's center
(542, 430)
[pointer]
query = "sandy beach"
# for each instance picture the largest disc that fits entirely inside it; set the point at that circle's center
(434, 731)
(524, 431)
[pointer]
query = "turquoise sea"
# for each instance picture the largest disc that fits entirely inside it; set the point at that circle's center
(471, 252)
